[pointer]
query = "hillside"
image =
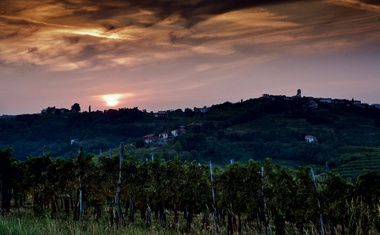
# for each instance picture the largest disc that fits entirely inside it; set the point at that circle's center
(270, 126)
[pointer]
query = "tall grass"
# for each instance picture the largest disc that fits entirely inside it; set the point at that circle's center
(29, 225)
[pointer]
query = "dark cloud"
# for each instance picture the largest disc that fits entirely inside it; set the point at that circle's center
(16, 28)
(33, 50)
(177, 38)
(69, 3)
(17, 22)
(110, 25)
(71, 40)
(86, 52)
(5, 35)
(192, 11)
(203, 10)
(374, 2)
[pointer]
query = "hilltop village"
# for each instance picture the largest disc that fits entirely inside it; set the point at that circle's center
(288, 128)
(311, 102)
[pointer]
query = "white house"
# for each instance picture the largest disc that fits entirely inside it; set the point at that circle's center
(310, 139)
(177, 132)
(161, 114)
(163, 136)
(326, 100)
(150, 138)
(311, 103)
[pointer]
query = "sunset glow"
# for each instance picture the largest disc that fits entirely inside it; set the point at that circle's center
(111, 99)
(91, 32)
(162, 55)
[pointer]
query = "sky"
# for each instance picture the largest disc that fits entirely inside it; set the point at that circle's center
(169, 54)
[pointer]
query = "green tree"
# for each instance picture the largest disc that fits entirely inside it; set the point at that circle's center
(86, 174)
(37, 173)
(195, 192)
(175, 179)
(240, 187)
(336, 195)
(157, 190)
(6, 179)
(63, 180)
(367, 191)
(282, 191)
(75, 108)
(133, 182)
(19, 182)
(107, 179)
(305, 203)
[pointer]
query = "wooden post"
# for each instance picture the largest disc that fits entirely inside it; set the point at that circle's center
(118, 190)
(214, 200)
(149, 216)
(110, 210)
(319, 203)
(80, 199)
(267, 228)
(81, 154)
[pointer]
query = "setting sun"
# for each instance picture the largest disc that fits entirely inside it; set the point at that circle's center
(111, 99)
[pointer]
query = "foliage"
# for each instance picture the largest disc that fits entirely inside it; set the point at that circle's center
(75, 108)
(252, 129)
(83, 188)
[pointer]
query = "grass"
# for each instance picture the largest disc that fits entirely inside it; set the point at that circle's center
(293, 164)
(28, 225)
(24, 223)
(358, 167)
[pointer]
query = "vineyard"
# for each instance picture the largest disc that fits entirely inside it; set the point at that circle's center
(121, 193)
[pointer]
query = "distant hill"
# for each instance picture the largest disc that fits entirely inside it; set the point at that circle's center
(346, 132)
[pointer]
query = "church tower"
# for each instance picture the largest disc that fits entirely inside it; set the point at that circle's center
(298, 93)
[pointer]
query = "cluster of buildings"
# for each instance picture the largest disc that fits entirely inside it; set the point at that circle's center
(312, 102)
(54, 110)
(164, 136)
(163, 114)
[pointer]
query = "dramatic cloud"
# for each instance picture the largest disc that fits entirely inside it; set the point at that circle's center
(171, 54)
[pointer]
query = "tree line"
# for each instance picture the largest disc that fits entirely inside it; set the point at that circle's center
(123, 190)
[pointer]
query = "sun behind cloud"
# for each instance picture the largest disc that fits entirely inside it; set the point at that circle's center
(111, 99)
